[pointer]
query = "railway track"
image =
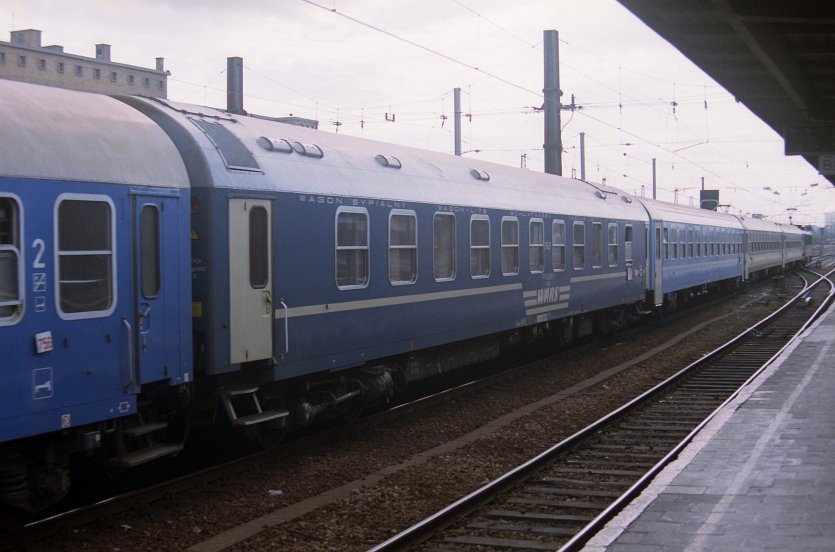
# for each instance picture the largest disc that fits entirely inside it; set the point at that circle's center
(562, 497)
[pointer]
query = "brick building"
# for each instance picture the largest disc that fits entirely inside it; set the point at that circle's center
(23, 58)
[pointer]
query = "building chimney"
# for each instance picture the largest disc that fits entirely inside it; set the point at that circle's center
(160, 64)
(103, 52)
(235, 85)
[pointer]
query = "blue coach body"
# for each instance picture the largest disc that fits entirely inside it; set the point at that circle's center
(79, 334)
(329, 314)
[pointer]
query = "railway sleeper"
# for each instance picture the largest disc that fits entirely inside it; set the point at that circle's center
(512, 528)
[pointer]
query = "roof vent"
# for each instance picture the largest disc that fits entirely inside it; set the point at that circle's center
(308, 150)
(600, 194)
(271, 144)
(627, 199)
(479, 175)
(388, 161)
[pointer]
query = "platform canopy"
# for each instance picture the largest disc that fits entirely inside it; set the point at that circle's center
(776, 57)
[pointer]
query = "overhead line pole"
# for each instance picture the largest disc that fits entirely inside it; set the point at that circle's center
(553, 142)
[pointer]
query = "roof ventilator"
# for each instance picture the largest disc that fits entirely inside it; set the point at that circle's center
(308, 150)
(389, 161)
(479, 175)
(272, 144)
(627, 199)
(600, 194)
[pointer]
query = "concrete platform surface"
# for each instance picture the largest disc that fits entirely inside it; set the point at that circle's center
(761, 476)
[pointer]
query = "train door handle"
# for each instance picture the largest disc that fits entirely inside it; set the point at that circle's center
(131, 361)
(268, 302)
(286, 329)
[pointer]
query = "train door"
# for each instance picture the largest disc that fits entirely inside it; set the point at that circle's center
(156, 302)
(658, 267)
(250, 280)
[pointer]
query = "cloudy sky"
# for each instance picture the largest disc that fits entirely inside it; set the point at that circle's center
(355, 61)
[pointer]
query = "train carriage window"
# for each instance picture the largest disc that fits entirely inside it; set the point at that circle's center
(613, 244)
(666, 240)
(510, 246)
(596, 246)
(690, 242)
(579, 237)
(11, 301)
(698, 238)
(149, 247)
(628, 238)
(351, 248)
(402, 247)
(85, 256)
(259, 247)
(673, 243)
(479, 246)
(443, 247)
(558, 245)
(536, 246)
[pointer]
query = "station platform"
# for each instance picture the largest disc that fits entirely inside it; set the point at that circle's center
(760, 476)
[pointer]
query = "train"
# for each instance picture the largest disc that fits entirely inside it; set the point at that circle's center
(165, 264)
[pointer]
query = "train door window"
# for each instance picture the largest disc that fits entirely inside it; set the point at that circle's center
(259, 247)
(351, 248)
(479, 246)
(510, 246)
(558, 245)
(613, 244)
(149, 247)
(536, 246)
(85, 250)
(628, 238)
(666, 243)
(579, 237)
(443, 247)
(596, 246)
(402, 247)
(11, 302)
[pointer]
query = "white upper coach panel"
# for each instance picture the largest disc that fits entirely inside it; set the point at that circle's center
(357, 167)
(57, 134)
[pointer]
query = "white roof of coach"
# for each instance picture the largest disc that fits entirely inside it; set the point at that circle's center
(672, 212)
(349, 169)
(762, 225)
(57, 134)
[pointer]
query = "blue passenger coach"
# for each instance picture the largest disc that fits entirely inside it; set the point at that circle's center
(316, 253)
(94, 305)
(691, 250)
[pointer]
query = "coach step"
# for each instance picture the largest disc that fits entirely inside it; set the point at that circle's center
(141, 456)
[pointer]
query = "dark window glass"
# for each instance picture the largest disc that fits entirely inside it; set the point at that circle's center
(579, 245)
(510, 247)
(235, 155)
(85, 256)
(443, 247)
(259, 244)
(402, 249)
(351, 249)
(149, 247)
(479, 247)
(536, 246)
(558, 245)
(10, 300)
